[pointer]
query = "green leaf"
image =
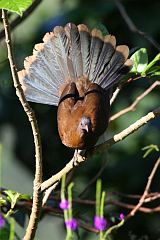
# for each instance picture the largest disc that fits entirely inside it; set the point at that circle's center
(150, 67)
(150, 148)
(156, 74)
(12, 196)
(2, 201)
(17, 6)
(24, 197)
(140, 60)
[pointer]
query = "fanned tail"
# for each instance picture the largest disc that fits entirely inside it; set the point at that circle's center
(67, 54)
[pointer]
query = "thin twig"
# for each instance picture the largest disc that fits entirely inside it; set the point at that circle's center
(48, 192)
(134, 104)
(133, 27)
(75, 161)
(93, 180)
(37, 195)
(115, 94)
(147, 188)
(126, 132)
(78, 158)
(112, 202)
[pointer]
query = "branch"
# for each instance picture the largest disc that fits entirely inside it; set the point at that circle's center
(126, 132)
(78, 158)
(30, 232)
(113, 202)
(132, 27)
(20, 19)
(115, 94)
(147, 188)
(135, 103)
(75, 161)
(93, 180)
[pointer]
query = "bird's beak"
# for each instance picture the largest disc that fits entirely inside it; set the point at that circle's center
(86, 128)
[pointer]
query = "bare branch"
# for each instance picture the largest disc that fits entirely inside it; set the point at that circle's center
(79, 158)
(20, 19)
(30, 232)
(75, 161)
(126, 132)
(133, 27)
(115, 94)
(147, 188)
(135, 103)
(93, 180)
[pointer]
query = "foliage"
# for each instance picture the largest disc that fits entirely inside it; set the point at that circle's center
(17, 6)
(141, 65)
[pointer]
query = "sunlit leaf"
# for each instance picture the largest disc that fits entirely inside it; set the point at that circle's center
(24, 197)
(17, 6)
(149, 149)
(140, 60)
(150, 67)
(12, 196)
(2, 201)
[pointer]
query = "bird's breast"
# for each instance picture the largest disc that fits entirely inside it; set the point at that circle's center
(94, 105)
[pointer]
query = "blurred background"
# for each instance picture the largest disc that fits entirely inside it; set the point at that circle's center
(126, 170)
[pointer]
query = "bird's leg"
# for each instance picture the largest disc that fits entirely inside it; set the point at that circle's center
(75, 157)
(79, 156)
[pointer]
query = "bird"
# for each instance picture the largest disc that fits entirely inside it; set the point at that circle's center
(76, 69)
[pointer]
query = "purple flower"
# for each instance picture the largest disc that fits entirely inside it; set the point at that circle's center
(121, 216)
(71, 223)
(100, 223)
(64, 204)
(2, 221)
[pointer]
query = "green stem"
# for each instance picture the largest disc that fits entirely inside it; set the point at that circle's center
(70, 200)
(109, 231)
(102, 204)
(12, 228)
(98, 196)
(102, 211)
(63, 187)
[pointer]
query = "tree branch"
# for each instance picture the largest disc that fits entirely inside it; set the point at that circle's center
(126, 132)
(37, 195)
(147, 188)
(133, 27)
(135, 103)
(78, 158)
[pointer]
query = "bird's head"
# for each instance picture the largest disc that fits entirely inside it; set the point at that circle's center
(85, 124)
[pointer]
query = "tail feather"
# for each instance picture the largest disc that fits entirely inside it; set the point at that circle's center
(75, 48)
(95, 50)
(117, 61)
(117, 75)
(36, 92)
(61, 43)
(67, 54)
(85, 40)
(105, 56)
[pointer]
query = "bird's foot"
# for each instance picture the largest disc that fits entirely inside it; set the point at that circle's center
(78, 157)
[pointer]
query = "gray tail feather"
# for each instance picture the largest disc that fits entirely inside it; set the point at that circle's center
(67, 54)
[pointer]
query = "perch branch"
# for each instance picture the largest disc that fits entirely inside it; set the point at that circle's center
(134, 104)
(133, 27)
(78, 158)
(30, 232)
(20, 19)
(126, 132)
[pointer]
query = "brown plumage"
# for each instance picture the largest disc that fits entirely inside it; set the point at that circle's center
(75, 70)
